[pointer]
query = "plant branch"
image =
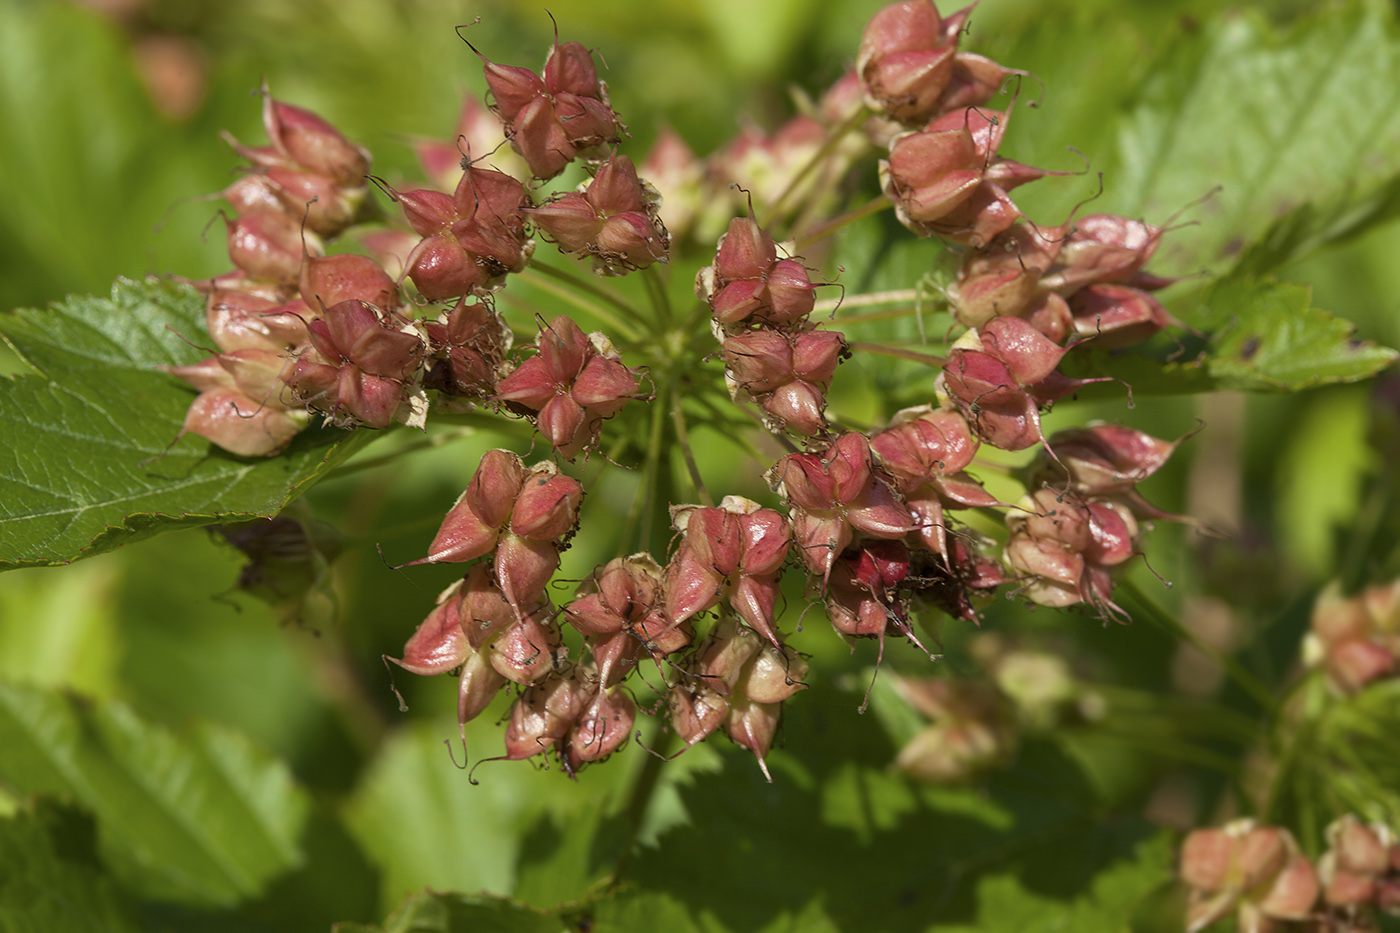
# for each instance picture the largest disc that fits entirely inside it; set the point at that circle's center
(901, 353)
(873, 206)
(828, 146)
(1233, 669)
(683, 438)
(607, 297)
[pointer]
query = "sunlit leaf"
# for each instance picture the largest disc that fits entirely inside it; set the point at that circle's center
(87, 462)
(1298, 128)
(203, 818)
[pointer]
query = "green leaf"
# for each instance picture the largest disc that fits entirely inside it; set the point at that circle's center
(460, 913)
(84, 465)
(203, 819)
(839, 842)
(1340, 759)
(90, 167)
(50, 880)
(1265, 336)
(427, 825)
(1298, 128)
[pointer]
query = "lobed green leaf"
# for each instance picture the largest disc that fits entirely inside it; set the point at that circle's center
(1297, 128)
(1264, 336)
(50, 880)
(203, 818)
(89, 460)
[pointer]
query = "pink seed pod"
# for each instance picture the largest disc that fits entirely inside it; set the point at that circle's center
(512, 88)
(753, 725)
(1358, 864)
(1256, 870)
(360, 367)
(326, 207)
(329, 280)
(491, 206)
(905, 61)
(1000, 376)
(602, 728)
(570, 70)
(621, 593)
(552, 120)
(1065, 546)
(571, 385)
(246, 320)
(1116, 316)
(722, 660)
(427, 211)
(786, 374)
(1101, 248)
(973, 730)
(241, 425)
(480, 607)
(1355, 640)
(1101, 459)
(749, 284)
(1003, 277)
(866, 595)
(529, 648)
(302, 141)
(269, 245)
(440, 644)
(947, 180)
(832, 496)
(922, 443)
(310, 142)
(696, 711)
(772, 676)
(612, 218)
(475, 521)
(542, 716)
(735, 551)
(443, 270)
(243, 402)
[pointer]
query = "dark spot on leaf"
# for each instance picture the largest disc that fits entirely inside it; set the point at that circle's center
(1251, 347)
(1355, 344)
(1233, 247)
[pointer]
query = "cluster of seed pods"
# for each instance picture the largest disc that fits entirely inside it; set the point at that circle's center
(1258, 873)
(869, 517)
(1356, 640)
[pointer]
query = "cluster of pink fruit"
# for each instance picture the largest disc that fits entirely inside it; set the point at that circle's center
(1258, 873)
(864, 513)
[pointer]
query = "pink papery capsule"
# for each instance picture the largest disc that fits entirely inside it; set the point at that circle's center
(611, 218)
(786, 374)
(571, 385)
(1254, 870)
(733, 552)
(947, 181)
(541, 717)
(360, 367)
(749, 284)
(905, 60)
(833, 495)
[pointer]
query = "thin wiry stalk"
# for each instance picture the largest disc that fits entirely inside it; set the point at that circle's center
(683, 438)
